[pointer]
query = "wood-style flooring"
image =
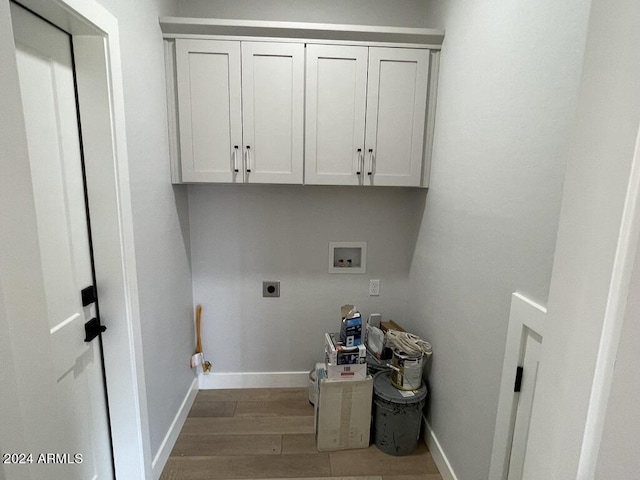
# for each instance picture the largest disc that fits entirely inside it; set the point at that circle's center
(268, 434)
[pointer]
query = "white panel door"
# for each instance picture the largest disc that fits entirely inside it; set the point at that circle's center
(530, 359)
(209, 110)
(396, 111)
(76, 399)
(335, 114)
(273, 112)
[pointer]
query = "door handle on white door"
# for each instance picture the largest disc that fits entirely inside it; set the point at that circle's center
(92, 329)
(88, 295)
(370, 172)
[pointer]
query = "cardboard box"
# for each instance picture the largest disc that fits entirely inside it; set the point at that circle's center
(346, 372)
(390, 325)
(351, 331)
(344, 363)
(343, 414)
(351, 326)
(337, 354)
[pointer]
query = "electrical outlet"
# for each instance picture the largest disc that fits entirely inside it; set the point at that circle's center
(270, 289)
(374, 288)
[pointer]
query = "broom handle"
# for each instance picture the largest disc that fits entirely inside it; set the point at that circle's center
(198, 323)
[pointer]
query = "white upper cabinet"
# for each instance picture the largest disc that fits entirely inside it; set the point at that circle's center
(273, 111)
(396, 110)
(336, 100)
(387, 87)
(210, 109)
(240, 111)
(293, 103)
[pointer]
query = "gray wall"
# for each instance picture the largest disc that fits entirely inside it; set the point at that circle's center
(244, 234)
(584, 287)
(159, 213)
(402, 13)
(618, 457)
(508, 92)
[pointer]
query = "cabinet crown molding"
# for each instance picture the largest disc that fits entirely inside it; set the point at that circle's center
(173, 27)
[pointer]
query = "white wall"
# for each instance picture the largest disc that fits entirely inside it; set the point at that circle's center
(509, 78)
(602, 149)
(403, 13)
(244, 234)
(618, 457)
(160, 215)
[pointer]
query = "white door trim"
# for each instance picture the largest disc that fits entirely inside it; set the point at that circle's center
(525, 314)
(96, 43)
(614, 314)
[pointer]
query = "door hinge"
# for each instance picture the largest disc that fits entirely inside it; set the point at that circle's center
(89, 295)
(92, 329)
(516, 387)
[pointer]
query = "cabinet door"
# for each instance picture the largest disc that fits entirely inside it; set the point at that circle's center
(396, 108)
(273, 112)
(335, 114)
(209, 110)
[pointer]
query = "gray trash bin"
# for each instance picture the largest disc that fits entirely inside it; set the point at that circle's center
(397, 416)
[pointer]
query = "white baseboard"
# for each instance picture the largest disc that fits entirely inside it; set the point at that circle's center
(209, 381)
(162, 455)
(438, 455)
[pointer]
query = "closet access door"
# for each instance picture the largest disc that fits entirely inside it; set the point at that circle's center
(69, 435)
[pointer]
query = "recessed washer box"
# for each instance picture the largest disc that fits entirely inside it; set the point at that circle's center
(347, 257)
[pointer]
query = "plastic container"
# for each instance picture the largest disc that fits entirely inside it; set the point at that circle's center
(397, 416)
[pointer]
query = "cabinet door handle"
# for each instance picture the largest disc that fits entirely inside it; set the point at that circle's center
(370, 172)
(235, 159)
(360, 162)
(248, 165)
